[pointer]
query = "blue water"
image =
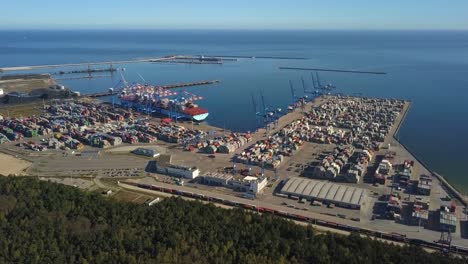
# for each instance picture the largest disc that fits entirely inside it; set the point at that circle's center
(429, 68)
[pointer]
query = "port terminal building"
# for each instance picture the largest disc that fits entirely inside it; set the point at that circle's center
(163, 165)
(326, 192)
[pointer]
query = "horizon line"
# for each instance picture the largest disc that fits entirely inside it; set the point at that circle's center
(228, 29)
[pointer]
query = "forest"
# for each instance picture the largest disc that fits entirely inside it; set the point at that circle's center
(44, 222)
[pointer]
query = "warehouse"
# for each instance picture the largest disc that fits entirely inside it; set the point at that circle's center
(340, 195)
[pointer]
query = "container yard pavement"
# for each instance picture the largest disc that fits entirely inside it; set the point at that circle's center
(117, 163)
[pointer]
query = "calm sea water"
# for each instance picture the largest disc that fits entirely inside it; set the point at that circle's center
(429, 68)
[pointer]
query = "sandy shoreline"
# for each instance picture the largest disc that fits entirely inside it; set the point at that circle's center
(11, 165)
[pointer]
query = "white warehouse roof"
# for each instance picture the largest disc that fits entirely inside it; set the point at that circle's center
(325, 191)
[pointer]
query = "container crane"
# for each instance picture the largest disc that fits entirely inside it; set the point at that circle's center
(265, 113)
(292, 106)
(324, 87)
(257, 113)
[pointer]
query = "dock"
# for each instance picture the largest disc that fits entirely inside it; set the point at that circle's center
(88, 71)
(189, 62)
(169, 86)
(260, 57)
(330, 70)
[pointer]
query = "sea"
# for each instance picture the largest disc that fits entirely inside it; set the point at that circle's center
(430, 68)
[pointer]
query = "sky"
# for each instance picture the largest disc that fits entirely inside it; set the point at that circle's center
(234, 14)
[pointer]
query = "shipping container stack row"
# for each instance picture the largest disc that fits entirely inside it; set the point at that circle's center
(71, 125)
(361, 122)
(369, 120)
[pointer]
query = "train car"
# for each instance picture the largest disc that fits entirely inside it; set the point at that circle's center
(265, 210)
(187, 194)
(167, 190)
(248, 206)
(300, 218)
(268, 210)
(281, 213)
(218, 200)
(198, 196)
(145, 186)
(230, 203)
(398, 237)
(370, 232)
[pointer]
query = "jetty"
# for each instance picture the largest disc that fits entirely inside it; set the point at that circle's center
(89, 70)
(169, 86)
(260, 57)
(330, 70)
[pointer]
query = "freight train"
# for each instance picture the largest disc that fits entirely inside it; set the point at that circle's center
(378, 234)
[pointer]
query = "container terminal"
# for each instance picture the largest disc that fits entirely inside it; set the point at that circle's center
(332, 161)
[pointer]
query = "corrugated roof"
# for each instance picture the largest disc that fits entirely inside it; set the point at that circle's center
(340, 193)
(332, 192)
(325, 191)
(317, 188)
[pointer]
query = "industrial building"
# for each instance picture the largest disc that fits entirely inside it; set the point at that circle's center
(249, 184)
(314, 190)
(163, 165)
(217, 179)
(148, 152)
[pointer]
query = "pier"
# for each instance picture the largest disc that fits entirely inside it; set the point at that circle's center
(330, 70)
(170, 86)
(261, 57)
(89, 70)
(189, 62)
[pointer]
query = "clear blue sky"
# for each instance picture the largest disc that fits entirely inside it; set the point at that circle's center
(235, 14)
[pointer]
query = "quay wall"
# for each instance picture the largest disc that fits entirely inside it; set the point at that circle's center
(450, 189)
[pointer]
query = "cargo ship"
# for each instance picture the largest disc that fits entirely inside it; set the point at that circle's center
(155, 99)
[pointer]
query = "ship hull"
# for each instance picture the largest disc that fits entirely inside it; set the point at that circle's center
(179, 115)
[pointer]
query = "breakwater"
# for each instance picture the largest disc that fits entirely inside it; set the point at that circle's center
(330, 70)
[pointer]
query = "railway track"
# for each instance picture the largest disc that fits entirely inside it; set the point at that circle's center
(396, 237)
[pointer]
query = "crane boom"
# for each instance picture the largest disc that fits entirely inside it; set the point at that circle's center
(141, 77)
(263, 102)
(313, 79)
(254, 103)
(318, 80)
(123, 79)
(303, 84)
(292, 92)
